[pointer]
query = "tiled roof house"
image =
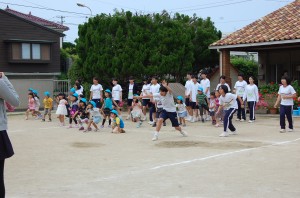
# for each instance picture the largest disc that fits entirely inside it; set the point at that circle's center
(276, 38)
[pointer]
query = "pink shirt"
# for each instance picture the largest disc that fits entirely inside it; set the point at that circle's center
(31, 104)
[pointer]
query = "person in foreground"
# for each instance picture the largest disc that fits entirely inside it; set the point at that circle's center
(228, 101)
(10, 96)
(169, 110)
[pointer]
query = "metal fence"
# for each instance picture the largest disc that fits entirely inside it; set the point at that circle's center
(61, 86)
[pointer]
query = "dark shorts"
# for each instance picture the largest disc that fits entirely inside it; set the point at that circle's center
(6, 149)
(187, 102)
(47, 111)
(193, 105)
(212, 113)
(146, 102)
(98, 102)
(117, 101)
(129, 102)
(158, 112)
(106, 111)
(170, 115)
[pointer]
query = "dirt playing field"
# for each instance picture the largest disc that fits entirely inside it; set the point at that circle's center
(55, 162)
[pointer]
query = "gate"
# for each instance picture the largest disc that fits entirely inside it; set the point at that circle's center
(61, 86)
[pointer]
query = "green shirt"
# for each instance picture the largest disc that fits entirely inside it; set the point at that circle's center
(201, 99)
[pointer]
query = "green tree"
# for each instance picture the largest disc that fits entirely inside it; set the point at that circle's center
(245, 66)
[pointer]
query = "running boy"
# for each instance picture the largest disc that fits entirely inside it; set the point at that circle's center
(48, 102)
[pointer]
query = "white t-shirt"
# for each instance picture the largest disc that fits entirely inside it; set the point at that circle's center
(240, 88)
(205, 84)
(116, 90)
(79, 91)
(96, 90)
(188, 87)
(154, 89)
(194, 91)
(167, 102)
(224, 84)
(158, 101)
(286, 91)
(95, 112)
(146, 90)
(228, 101)
(181, 108)
(251, 93)
(130, 92)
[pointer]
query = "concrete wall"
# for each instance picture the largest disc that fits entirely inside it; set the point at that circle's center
(22, 86)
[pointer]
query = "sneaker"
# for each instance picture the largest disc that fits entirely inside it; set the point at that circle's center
(69, 127)
(233, 133)
(76, 126)
(183, 133)
(109, 126)
(164, 124)
(188, 118)
(43, 120)
(238, 119)
(192, 120)
(102, 126)
(217, 125)
(282, 130)
(81, 128)
(128, 117)
(50, 120)
(154, 124)
(207, 119)
(155, 136)
(224, 134)
(150, 122)
(96, 130)
(290, 130)
(250, 121)
(242, 120)
(203, 120)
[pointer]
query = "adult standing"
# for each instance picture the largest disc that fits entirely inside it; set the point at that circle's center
(188, 87)
(117, 94)
(154, 88)
(223, 82)
(193, 98)
(96, 92)
(252, 97)
(7, 95)
(286, 94)
(239, 89)
(205, 84)
(132, 90)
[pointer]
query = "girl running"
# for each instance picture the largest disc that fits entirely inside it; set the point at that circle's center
(31, 105)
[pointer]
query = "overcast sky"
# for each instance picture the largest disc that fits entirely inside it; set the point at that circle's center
(228, 15)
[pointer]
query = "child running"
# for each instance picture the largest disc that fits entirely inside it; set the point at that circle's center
(37, 105)
(202, 102)
(62, 108)
(118, 124)
(83, 114)
(48, 102)
(137, 112)
(169, 110)
(73, 111)
(31, 105)
(95, 116)
(228, 101)
(181, 110)
(212, 107)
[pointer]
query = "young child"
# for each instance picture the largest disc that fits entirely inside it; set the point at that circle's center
(181, 110)
(31, 105)
(37, 105)
(202, 102)
(83, 114)
(136, 112)
(212, 107)
(217, 100)
(118, 124)
(48, 102)
(95, 116)
(107, 107)
(73, 111)
(62, 108)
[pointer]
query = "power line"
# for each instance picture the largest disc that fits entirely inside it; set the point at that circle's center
(42, 8)
(225, 4)
(200, 5)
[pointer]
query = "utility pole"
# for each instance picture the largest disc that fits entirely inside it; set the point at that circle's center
(61, 19)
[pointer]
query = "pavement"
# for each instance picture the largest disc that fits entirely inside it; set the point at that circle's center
(52, 161)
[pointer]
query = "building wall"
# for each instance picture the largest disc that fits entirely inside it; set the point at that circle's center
(15, 28)
(272, 65)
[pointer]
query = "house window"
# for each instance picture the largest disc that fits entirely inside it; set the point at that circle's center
(30, 51)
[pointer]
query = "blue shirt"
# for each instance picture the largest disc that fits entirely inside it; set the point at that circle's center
(108, 103)
(120, 122)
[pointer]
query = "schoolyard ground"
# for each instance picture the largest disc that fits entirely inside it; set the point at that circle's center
(55, 162)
